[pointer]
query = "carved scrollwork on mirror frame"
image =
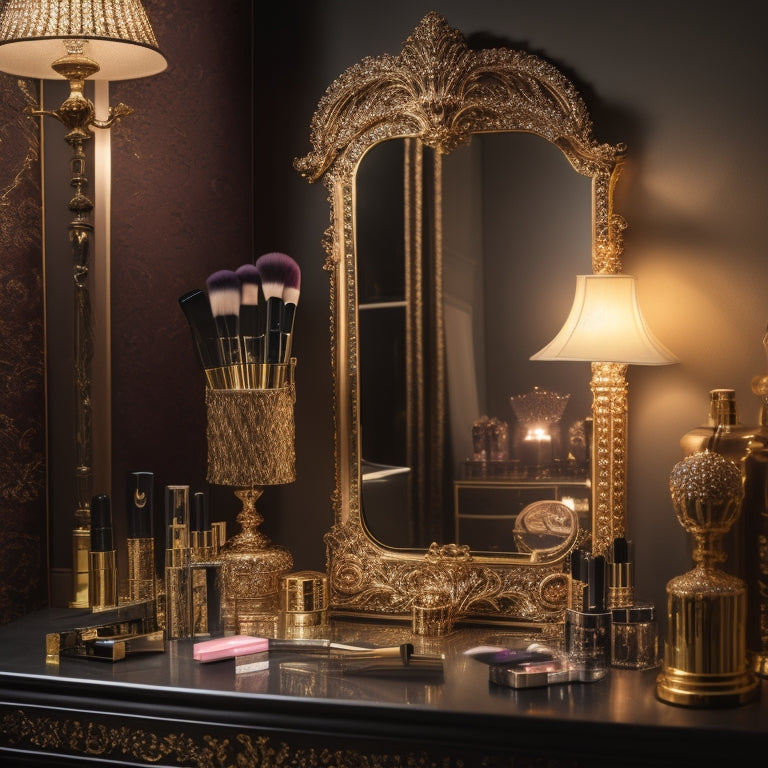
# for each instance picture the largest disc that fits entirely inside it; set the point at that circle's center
(440, 92)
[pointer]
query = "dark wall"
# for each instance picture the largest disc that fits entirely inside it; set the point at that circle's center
(23, 541)
(202, 181)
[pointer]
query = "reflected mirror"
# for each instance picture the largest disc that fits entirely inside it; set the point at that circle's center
(466, 191)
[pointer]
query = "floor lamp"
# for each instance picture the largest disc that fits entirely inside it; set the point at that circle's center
(76, 40)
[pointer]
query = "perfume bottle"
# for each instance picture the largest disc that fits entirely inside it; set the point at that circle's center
(753, 527)
(726, 435)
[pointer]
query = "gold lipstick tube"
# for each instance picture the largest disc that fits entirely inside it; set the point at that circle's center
(141, 569)
(621, 586)
(178, 591)
(102, 580)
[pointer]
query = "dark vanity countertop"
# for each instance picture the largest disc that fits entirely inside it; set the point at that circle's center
(618, 716)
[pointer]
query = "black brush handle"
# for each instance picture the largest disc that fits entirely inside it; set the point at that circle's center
(250, 333)
(205, 335)
(229, 339)
(272, 334)
(286, 336)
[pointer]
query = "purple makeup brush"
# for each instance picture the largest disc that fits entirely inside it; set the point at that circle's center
(224, 294)
(275, 270)
(250, 335)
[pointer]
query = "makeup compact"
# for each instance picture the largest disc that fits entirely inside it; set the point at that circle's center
(535, 666)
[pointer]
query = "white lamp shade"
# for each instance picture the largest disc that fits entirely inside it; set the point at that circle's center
(117, 35)
(605, 325)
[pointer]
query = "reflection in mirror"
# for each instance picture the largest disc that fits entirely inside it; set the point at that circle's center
(512, 212)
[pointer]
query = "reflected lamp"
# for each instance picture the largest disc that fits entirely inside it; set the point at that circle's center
(606, 328)
(76, 40)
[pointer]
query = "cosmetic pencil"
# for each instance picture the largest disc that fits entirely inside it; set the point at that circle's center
(251, 338)
(291, 292)
(224, 295)
(275, 270)
(205, 336)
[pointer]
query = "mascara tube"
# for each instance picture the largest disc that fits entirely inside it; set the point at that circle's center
(178, 593)
(102, 558)
(140, 542)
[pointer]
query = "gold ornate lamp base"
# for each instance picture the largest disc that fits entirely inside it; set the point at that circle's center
(251, 571)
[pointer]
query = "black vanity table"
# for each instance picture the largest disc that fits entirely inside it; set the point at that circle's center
(166, 709)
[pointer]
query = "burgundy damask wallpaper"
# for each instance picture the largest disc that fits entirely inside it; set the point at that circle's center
(181, 209)
(23, 544)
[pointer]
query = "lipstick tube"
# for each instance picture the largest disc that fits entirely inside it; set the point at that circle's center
(588, 631)
(140, 541)
(178, 593)
(102, 558)
(621, 580)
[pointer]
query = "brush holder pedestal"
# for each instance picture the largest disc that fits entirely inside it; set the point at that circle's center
(250, 434)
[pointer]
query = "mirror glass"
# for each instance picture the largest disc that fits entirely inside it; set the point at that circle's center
(512, 212)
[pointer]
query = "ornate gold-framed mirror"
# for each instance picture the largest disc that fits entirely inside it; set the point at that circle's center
(436, 95)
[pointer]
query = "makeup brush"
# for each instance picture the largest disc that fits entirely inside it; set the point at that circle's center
(205, 336)
(224, 294)
(275, 270)
(250, 285)
(291, 291)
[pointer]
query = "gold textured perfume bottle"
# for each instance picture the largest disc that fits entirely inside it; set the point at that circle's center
(727, 435)
(705, 656)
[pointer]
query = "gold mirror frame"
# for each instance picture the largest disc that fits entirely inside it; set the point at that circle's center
(441, 92)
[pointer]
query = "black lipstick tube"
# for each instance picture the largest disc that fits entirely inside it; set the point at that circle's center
(140, 540)
(588, 631)
(102, 558)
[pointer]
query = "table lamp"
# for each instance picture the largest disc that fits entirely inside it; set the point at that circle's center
(77, 40)
(606, 328)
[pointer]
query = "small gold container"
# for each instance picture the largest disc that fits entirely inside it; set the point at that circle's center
(303, 597)
(431, 619)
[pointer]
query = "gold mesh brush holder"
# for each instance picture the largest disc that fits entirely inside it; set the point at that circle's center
(250, 435)
(705, 655)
